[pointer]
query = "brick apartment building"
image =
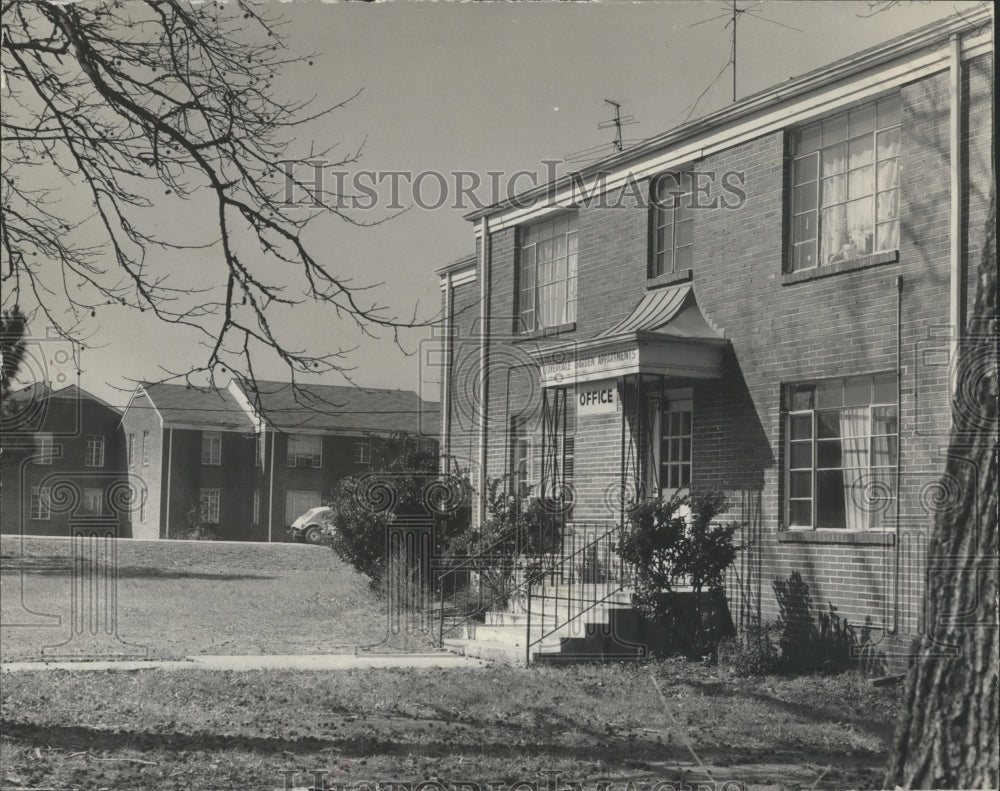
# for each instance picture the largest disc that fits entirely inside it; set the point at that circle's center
(763, 302)
(247, 465)
(63, 463)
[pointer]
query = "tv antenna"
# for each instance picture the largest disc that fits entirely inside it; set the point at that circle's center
(617, 122)
(733, 14)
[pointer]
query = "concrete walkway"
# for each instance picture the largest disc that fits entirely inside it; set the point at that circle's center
(260, 662)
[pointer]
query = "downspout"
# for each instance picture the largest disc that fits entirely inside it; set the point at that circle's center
(170, 469)
(270, 491)
(449, 308)
(955, 230)
(484, 332)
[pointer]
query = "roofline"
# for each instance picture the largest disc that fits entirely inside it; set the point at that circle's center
(141, 386)
(458, 265)
(854, 65)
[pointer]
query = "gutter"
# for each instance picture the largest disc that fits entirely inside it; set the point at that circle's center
(449, 307)
(270, 491)
(170, 469)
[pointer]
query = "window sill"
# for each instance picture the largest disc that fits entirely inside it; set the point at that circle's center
(546, 332)
(855, 264)
(884, 539)
(669, 279)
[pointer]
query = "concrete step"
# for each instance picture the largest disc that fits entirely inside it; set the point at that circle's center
(496, 652)
(516, 635)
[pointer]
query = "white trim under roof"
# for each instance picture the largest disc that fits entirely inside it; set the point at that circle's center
(236, 392)
(761, 114)
(459, 278)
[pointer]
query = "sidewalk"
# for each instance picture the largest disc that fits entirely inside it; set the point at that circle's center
(260, 662)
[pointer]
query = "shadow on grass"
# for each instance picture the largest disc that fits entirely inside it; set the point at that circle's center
(61, 566)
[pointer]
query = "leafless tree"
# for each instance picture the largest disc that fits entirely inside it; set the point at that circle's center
(114, 115)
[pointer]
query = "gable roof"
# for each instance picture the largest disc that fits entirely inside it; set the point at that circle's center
(331, 408)
(202, 407)
(40, 391)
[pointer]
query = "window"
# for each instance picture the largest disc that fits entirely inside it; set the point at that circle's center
(256, 508)
(92, 502)
(547, 274)
(520, 459)
(142, 506)
(672, 239)
(298, 502)
(841, 453)
(41, 504)
(305, 450)
(210, 501)
(362, 452)
(211, 447)
(131, 450)
(46, 450)
(675, 444)
(145, 448)
(94, 456)
(845, 186)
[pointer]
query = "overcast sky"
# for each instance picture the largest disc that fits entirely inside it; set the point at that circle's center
(482, 87)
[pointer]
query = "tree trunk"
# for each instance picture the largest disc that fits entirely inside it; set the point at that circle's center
(947, 734)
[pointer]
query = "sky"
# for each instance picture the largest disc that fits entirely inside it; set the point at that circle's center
(481, 87)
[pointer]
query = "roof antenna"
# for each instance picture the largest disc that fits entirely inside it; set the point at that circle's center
(617, 122)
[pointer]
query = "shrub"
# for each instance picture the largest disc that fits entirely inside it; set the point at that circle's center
(751, 652)
(667, 549)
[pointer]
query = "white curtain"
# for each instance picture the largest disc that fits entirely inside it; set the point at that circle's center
(854, 433)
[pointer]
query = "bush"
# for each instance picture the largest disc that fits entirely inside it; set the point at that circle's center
(751, 652)
(666, 550)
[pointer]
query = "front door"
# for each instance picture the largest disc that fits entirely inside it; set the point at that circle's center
(673, 449)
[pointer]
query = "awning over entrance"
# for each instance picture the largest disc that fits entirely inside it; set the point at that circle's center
(664, 335)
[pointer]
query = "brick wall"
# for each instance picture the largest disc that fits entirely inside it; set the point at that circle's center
(142, 417)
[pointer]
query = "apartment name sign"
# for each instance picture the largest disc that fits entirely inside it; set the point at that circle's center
(567, 368)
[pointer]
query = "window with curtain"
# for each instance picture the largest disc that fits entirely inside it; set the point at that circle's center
(210, 501)
(845, 186)
(211, 447)
(305, 450)
(841, 453)
(547, 273)
(94, 454)
(672, 236)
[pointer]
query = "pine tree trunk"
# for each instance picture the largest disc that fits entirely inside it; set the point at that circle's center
(947, 736)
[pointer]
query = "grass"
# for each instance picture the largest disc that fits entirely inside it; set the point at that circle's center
(200, 729)
(176, 599)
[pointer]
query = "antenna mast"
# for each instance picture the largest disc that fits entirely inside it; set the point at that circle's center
(617, 122)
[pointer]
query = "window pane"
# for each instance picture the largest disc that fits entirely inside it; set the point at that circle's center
(801, 427)
(884, 451)
(835, 189)
(801, 455)
(888, 174)
(887, 144)
(834, 230)
(834, 129)
(804, 256)
(685, 233)
(862, 120)
(804, 198)
(887, 236)
(860, 151)
(685, 422)
(828, 453)
(801, 513)
(666, 261)
(685, 475)
(803, 397)
(804, 227)
(887, 206)
(861, 183)
(800, 484)
(861, 224)
(684, 257)
(884, 420)
(808, 139)
(885, 389)
(804, 169)
(834, 159)
(829, 394)
(830, 499)
(858, 391)
(889, 111)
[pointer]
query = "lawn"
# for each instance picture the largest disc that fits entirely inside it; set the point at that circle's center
(554, 726)
(175, 599)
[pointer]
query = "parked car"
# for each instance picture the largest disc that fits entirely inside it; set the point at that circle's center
(312, 526)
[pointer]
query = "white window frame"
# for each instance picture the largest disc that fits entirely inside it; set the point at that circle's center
(211, 448)
(92, 501)
(873, 476)
(676, 402)
(362, 452)
(145, 448)
(46, 448)
(40, 507)
(94, 453)
(540, 247)
(305, 450)
(209, 506)
(809, 201)
(672, 224)
(131, 449)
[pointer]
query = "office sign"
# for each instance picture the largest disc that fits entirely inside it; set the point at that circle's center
(596, 398)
